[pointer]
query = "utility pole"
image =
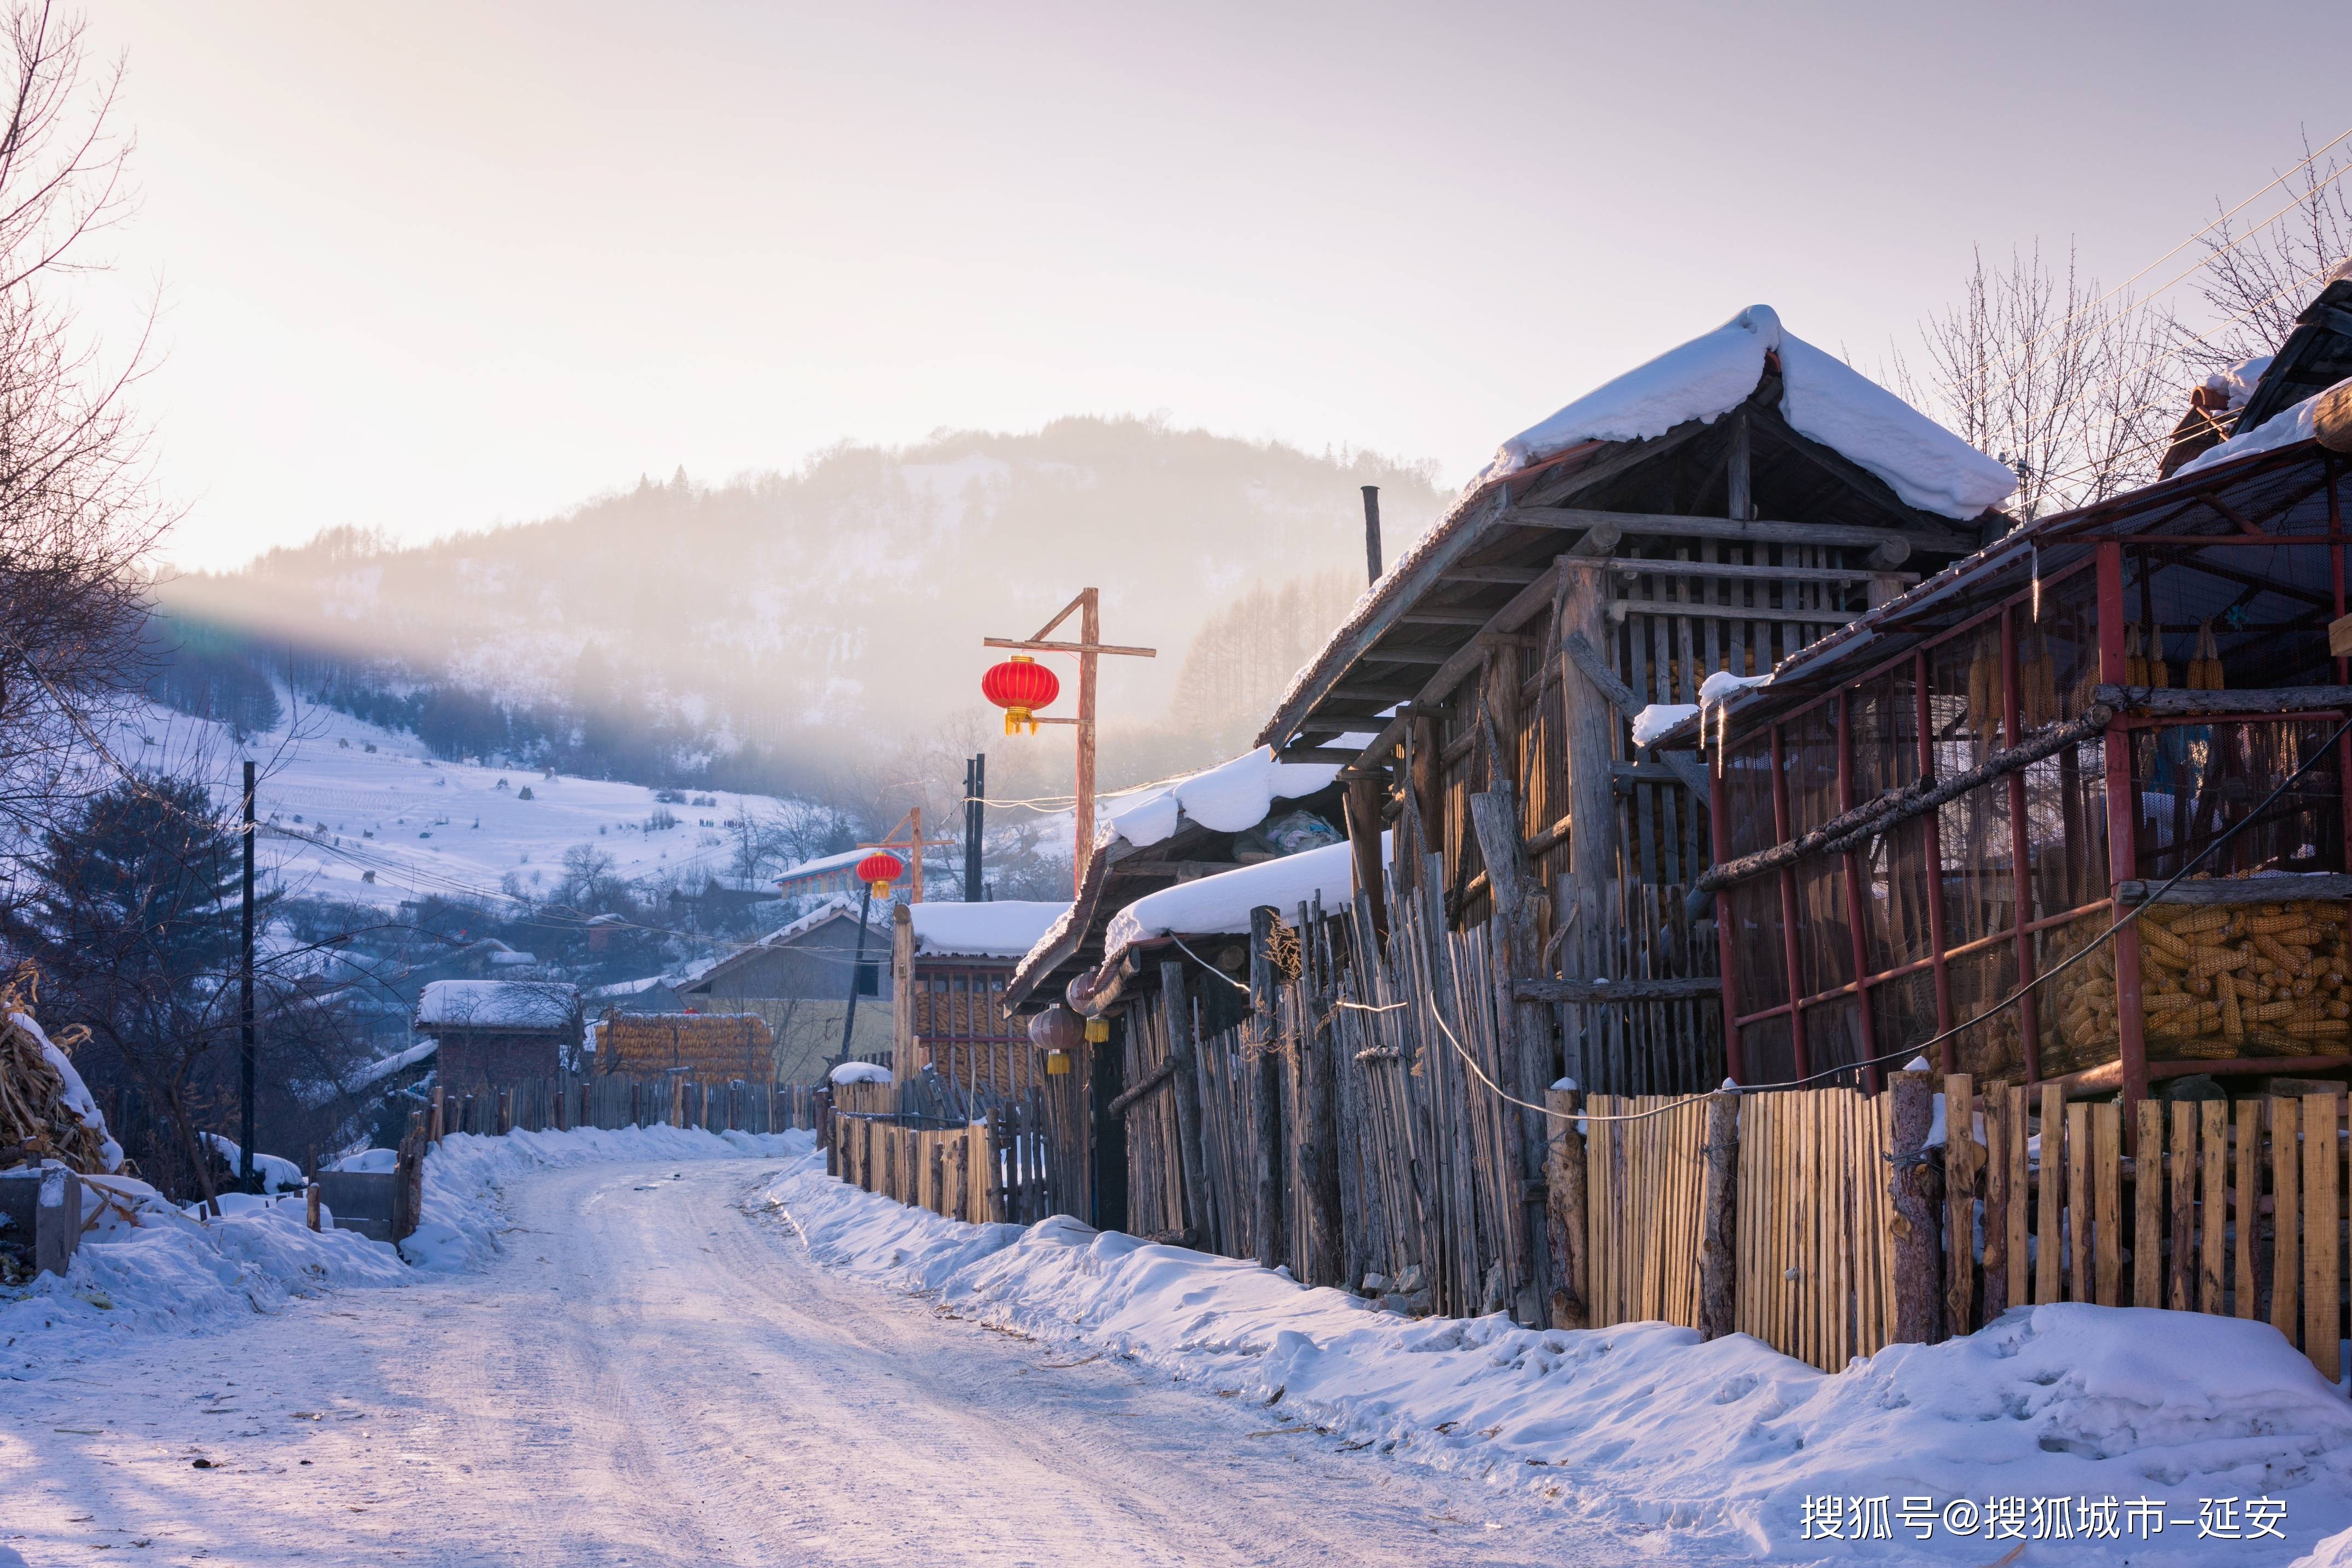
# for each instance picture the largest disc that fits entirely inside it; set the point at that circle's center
(245, 1000)
(849, 1017)
(975, 809)
(1089, 647)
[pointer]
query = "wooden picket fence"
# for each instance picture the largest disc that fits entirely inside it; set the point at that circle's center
(2237, 1209)
(994, 1167)
(618, 1100)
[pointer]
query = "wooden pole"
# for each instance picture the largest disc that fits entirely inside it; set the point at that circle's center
(1918, 1255)
(1526, 1027)
(1719, 1222)
(1089, 633)
(1266, 1090)
(310, 1204)
(1364, 823)
(1192, 1158)
(1564, 1213)
(1372, 533)
(1323, 1252)
(1591, 734)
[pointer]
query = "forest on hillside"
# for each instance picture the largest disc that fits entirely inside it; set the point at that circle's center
(779, 628)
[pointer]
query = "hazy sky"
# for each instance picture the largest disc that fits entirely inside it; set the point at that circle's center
(426, 267)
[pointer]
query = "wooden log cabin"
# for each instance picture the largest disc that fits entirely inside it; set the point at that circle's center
(1716, 510)
(1930, 827)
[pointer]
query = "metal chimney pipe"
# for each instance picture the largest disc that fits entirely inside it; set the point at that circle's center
(1372, 533)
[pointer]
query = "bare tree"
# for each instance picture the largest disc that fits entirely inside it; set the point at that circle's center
(76, 515)
(2035, 367)
(2260, 273)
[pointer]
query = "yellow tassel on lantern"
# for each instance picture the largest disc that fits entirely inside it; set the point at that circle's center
(1056, 1063)
(1097, 1030)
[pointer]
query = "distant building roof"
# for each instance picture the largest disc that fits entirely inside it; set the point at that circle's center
(1006, 927)
(497, 1005)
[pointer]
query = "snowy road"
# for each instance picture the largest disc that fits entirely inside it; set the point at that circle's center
(651, 1375)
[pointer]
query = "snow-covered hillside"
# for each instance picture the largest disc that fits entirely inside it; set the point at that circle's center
(341, 799)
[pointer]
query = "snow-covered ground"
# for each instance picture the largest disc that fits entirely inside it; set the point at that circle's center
(337, 810)
(1724, 1451)
(658, 1347)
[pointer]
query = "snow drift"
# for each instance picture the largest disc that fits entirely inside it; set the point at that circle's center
(1720, 1443)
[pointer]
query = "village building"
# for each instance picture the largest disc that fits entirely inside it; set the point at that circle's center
(798, 980)
(495, 1032)
(1704, 516)
(951, 964)
(2138, 707)
(835, 875)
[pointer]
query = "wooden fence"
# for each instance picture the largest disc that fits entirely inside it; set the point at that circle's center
(991, 1168)
(618, 1100)
(2233, 1208)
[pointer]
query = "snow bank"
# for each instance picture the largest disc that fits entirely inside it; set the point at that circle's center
(859, 1072)
(1002, 927)
(1719, 1444)
(2284, 428)
(278, 1174)
(1223, 902)
(145, 1267)
(1822, 397)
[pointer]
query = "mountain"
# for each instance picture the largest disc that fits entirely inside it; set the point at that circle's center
(733, 633)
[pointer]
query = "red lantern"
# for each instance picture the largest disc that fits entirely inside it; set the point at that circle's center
(879, 870)
(1019, 686)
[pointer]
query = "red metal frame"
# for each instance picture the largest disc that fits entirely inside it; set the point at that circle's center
(2123, 822)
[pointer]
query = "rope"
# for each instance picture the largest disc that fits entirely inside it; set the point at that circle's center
(1211, 968)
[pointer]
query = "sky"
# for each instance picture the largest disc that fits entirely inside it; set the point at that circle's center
(434, 268)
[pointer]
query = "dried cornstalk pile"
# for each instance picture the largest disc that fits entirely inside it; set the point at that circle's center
(35, 1121)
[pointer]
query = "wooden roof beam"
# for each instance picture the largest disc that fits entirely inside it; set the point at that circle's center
(1893, 544)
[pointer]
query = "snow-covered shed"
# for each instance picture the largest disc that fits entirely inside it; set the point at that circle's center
(1924, 821)
(1715, 510)
(500, 1031)
(1253, 808)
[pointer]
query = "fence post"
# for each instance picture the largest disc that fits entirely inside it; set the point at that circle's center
(1960, 1203)
(1718, 1272)
(1266, 1090)
(1564, 1212)
(440, 1114)
(504, 1112)
(1918, 1250)
(1191, 1163)
(310, 1204)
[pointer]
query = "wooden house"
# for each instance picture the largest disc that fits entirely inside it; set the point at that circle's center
(1709, 513)
(950, 965)
(797, 979)
(500, 1031)
(1248, 810)
(1928, 826)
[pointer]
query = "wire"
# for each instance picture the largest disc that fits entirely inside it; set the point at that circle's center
(2216, 255)
(1207, 965)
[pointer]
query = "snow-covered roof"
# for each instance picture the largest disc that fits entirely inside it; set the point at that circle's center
(631, 988)
(1227, 798)
(823, 863)
(1823, 398)
(2284, 428)
(497, 1005)
(1006, 927)
(1223, 902)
